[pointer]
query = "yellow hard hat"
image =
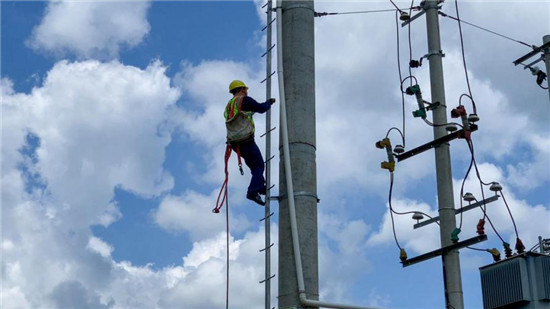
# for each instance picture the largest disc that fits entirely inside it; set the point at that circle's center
(236, 84)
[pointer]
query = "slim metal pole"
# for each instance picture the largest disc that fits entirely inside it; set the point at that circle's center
(298, 61)
(268, 165)
(451, 262)
(546, 39)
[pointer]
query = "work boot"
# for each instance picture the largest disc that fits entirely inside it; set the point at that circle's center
(255, 197)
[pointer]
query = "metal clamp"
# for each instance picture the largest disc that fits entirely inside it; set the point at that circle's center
(433, 53)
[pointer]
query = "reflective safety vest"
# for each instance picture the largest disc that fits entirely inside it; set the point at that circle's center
(239, 123)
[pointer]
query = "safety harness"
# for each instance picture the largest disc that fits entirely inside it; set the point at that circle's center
(233, 109)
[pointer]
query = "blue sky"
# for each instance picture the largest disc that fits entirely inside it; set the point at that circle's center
(112, 151)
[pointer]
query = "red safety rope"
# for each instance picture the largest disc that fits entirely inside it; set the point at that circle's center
(223, 189)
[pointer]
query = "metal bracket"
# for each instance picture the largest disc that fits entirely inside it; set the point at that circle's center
(457, 211)
(441, 251)
(535, 51)
(406, 22)
(447, 138)
(434, 53)
(298, 193)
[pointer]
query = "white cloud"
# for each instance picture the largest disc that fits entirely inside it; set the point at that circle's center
(97, 245)
(91, 29)
(192, 213)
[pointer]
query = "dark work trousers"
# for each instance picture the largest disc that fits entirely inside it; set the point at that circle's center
(254, 160)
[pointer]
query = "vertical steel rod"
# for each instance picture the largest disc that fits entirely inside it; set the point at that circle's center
(268, 162)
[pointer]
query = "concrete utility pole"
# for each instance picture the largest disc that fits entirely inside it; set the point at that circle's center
(451, 263)
(546, 39)
(299, 80)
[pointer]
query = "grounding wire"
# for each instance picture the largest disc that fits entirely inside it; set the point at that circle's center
(484, 29)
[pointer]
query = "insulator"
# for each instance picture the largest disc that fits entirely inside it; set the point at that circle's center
(402, 255)
(507, 250)
(495, 187)
(469, 197)
(404, 16)
(473, 118)
(418, 216)
(520, 248)
(451, 127)
(495, 253)
(454, 235)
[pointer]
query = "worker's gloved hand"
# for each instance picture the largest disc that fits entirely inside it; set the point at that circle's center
(271, 101)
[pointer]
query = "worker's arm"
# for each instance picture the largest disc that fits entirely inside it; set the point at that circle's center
(250, 105)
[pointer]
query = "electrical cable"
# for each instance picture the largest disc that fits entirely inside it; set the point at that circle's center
(535, 247)
(443, 124)
(411, 77)
(410, 41)
(471, 99)
(481, 28)
(509, 212)
(391, 212)
(321, 14)
(396, 7)
(462, 190)
(400, 76)
(476, 249)
(484, 206)
(394, 128)
(463, 53)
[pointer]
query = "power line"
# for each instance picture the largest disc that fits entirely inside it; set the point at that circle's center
(484, 29)
(321, 14)
(463, 53)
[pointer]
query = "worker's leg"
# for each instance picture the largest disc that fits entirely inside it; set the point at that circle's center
(254, 160)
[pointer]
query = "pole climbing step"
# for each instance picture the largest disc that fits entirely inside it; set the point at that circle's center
(268, 131)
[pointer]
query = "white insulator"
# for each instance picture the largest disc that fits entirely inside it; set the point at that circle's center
(468, 197)
(495, 187)
(451, 127)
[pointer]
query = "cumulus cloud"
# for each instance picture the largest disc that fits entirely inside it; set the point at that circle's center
(66, 146)
(192, 213)
(91, 29)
